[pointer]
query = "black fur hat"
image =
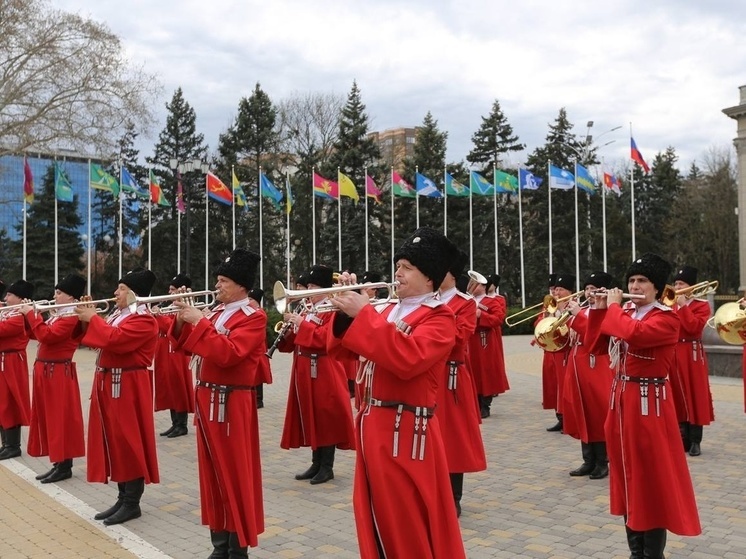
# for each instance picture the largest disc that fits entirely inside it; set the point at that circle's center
(371, 277)
(653, 267)
(459, 259)
(320, 275)
(22, 289)
(139, 280)
(428, 250)
(240, 266)
(687, 274)
(493, 279)
(566, 281)
(552, 280)
(302, 279)
(2, 288)
(462, 283)
(181, 280)
(599, 279)
(257, 294)
(73, 285)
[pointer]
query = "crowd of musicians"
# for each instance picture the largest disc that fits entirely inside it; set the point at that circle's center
(422, 367)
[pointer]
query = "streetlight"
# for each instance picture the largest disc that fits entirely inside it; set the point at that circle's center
(180, 167)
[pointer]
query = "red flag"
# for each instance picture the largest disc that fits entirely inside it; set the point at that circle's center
(324, 188)
(637, 156)
(612, 184)
(218, 191)
(28, 182)
(180, 194)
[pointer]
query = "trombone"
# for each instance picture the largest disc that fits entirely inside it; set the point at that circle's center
(283, 297)
(696, 291)
(549, 305)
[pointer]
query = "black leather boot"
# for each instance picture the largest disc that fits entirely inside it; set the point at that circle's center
(47, 474)
(487, 402)
(655, 543)
(602, 461)
(2, 437)
(685, 436)
(484, 409)
(180, 425)
(695, 435)
(636, 543)
(235, 551)
(130, 508)
(12, 443)
(589, 462)
(457, 486)
(315, 466)
(558, 426)
(114, 508)
(259, 396)
(326, 471)
(219, 541)
(64, 470)
(168, 431)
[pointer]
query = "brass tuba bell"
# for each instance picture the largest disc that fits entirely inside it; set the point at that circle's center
(729, 322)
(552, 333)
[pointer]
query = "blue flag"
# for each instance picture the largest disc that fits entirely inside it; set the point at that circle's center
(584, 179)
(129, 184)
(269, 190)
(528, 181)
(63, 190)
(559, 178)
(480, 185)
(426, 187)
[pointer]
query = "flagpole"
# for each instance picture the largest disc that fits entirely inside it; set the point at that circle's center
(121, 214)
(366, 218)
(313, 214)
(392, 223)
(88, 256)
(549, 190)
(494, 203)
(445, 201)
(150, 230)
(287, 223)
(632, 197)
(207, 235)
(56, 240)
(520, 236)
(179, 193)
(471, 227)
(417, 198)
(233, 206)
(339, 223)
(25, 211)
(603, 208)
(261, 250)
(577, 233)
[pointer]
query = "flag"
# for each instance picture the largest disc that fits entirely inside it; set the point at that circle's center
(99, 179)
(584, 179)
(506, 182)
(426, 187)
(324, 188)
(129, 184)
(480, 185)
(612, 184)
(402, 187)
(156, 193)
(218, 191)
(269, 190)
(347, 187)
(289, 198)
(455, 188)
(528, 180)
(637, 156)
(63, 190)
(28, 182)
(559, 178)
(371, 190)
(180, 205)
(238, 194)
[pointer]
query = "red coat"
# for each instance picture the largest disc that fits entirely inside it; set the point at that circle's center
(458, 410)
(587, 382)
(121, 431)
(174, 387)
(15, 403)
(404, 501)
(553, 370)
(486, 356)
(56, 412)
(690, 381)
(230, 470)
(318, 411)
(649, 478)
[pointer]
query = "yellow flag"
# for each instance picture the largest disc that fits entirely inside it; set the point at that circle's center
(347, 188)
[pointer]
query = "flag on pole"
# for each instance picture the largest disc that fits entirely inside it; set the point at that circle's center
(156, 192)
(402, 187)
(528, 180)
(63, 190)
(585, 180)
(371, 190)
(218, 191)
(455, 188)
(426, 187)
(28, 182)
(129, 184)
(612, 184)
(269, 190)
(324, 188)
(347, 187)
(99, 179)
(238, 194)
(289, 198)
(506, 182)
(180, 205)
(637, 156)
(480, 185)
(559, 178)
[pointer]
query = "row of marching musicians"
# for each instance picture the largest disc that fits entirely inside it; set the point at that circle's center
(627, 375)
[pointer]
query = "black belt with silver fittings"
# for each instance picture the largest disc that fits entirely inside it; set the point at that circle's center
(659, 386)
(49, 365)
(420, 413)
(222, 390)
(314, 357)
(116, 377)
(453, 374)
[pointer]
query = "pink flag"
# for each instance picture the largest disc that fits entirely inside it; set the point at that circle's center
(371, 189)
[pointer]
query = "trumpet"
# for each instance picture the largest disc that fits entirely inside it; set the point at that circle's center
(696, 291)
(284, 296)
(549, 304)
(604, 293)
(102, 305)
(475, 278)
(7, 311)
(207, 294)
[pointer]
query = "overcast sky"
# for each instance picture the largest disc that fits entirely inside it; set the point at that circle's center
(668, 67)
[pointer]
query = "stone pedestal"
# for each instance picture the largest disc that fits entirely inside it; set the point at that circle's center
(738, 113)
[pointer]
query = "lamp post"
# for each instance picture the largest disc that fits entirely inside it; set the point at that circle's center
(180, 167)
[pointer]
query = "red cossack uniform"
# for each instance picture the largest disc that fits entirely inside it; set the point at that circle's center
(690, 381)
(318, 411)
(402, 496)
(121, 431)
(15, 403)
(56, 412)
(486, 356)
(174, 387)
(649, 478)
(230, 470)
(458, 409)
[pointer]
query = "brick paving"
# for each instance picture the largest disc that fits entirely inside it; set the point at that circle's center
(524, 506)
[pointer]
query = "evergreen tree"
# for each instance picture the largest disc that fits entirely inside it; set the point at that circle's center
(655, 195)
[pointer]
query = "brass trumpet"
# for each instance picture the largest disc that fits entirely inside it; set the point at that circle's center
(283, 296)
(549, 305)
(604, 293)
(7, 311)
(696, 291)
(207, 294)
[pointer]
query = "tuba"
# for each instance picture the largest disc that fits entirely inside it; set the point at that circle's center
(552, 332)
(729, 321)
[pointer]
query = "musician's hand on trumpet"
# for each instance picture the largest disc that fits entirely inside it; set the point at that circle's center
(86, 312)
(574, 307)
(26, 307)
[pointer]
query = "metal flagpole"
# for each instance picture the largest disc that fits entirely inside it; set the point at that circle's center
(494, 203)
(150, 230)
(207, 236)
(88, 256)
(121, 214)
(471, 227)
(445, 201)
(549, 190)
(603, 208)
(577, 234)
(287, 223)
(417, 198)
(179, 191)
(56, 240)
(366, 218)
(392, 223)
(261, 250)
(339, 223)
(313, 215)
(632, 197)
(233, 205)
(520, 235)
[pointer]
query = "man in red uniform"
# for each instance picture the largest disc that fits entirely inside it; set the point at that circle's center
(649, 483)
(318, 412)
(457, 396)
(401, 456)
(690, 380)
(121, 432)
(230, 342)
(174, 387)
(15, 410)
(56, 413)
(255, 302)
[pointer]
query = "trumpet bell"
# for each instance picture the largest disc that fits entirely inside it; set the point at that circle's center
(552, 334)
(283, 297)
(729, 322)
